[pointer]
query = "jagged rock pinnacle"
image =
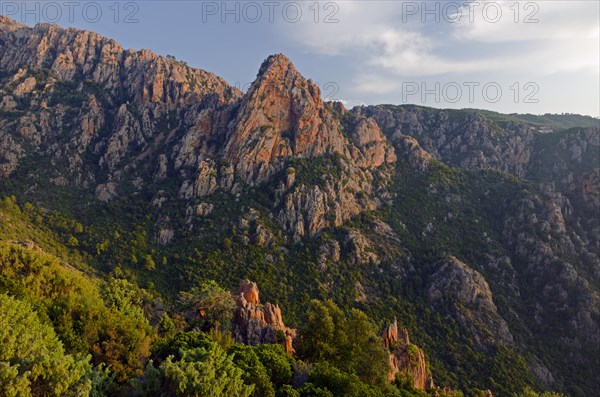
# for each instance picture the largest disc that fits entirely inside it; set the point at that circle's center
(279, 61)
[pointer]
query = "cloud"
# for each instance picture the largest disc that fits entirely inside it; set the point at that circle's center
(381, 39)
(527, 21)
(413, 54)
(374, 84)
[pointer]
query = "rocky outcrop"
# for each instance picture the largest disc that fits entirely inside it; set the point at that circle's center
(10, 152)
(406, 359)
(249, 291)
(468, 140)
(74, 55)
(588, 186)
(82, 102)
(256, 324)
(133, 118)
(25, 87)
(329, 252)
(544, 236)
(465, 293)
(305, 210)
(283, 117)
(571, 161)
(80, 112)
(360, 248)
(417, 157)
(106, 192)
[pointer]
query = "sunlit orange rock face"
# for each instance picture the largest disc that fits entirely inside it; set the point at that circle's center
(155, 116)
(256, 324)
(283, 115)
(405, 358)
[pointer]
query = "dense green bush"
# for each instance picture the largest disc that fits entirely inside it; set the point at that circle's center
(117, 322)
(32, 358)
(254, 371)
(347, 342)
(199, 372)
(208, 306)
(109, 326)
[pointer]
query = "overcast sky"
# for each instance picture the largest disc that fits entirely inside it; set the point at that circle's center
(509, 56)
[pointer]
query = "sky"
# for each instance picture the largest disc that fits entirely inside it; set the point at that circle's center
(508, 56)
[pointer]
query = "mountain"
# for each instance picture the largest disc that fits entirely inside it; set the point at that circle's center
(477, 231)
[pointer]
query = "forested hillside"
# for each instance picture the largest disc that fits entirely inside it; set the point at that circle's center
(398, 250)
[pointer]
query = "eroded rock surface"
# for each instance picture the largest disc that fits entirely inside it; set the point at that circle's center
(405, 358)
(470, 300)
(255, 323)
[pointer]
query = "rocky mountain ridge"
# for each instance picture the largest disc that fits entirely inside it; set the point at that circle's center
(493, 222)
(124, 114)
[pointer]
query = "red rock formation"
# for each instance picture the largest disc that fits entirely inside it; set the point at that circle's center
(249, 291)
(281, 115)
(156, 112)
(257, 324)
(406, 358)
(390, 334)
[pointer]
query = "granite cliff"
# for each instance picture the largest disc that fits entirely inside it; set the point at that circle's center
(480, 228)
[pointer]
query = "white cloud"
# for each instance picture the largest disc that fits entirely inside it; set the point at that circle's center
(413, 54)
(359, 26)
(565, 39)
(527, 21)
(374, 84)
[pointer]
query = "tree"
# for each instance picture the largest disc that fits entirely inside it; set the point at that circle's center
(287, 391)
(316, 336)
(109, 325)
(32, 358)
(368, 359)
(277, 363)
(340, 383)
(208, 306)
(123, 296)
(149, 263)
(254, 372)
(347, 342)
(183, 341)
(528, 392)
(202, 371)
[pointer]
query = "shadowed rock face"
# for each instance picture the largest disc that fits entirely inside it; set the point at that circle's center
(257, 324)
(470, 298)
(464, 140)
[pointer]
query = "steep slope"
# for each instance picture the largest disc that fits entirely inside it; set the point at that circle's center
(87, 105)
(81, 111)
(538, 244)
(459, 138)
(479, 232)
